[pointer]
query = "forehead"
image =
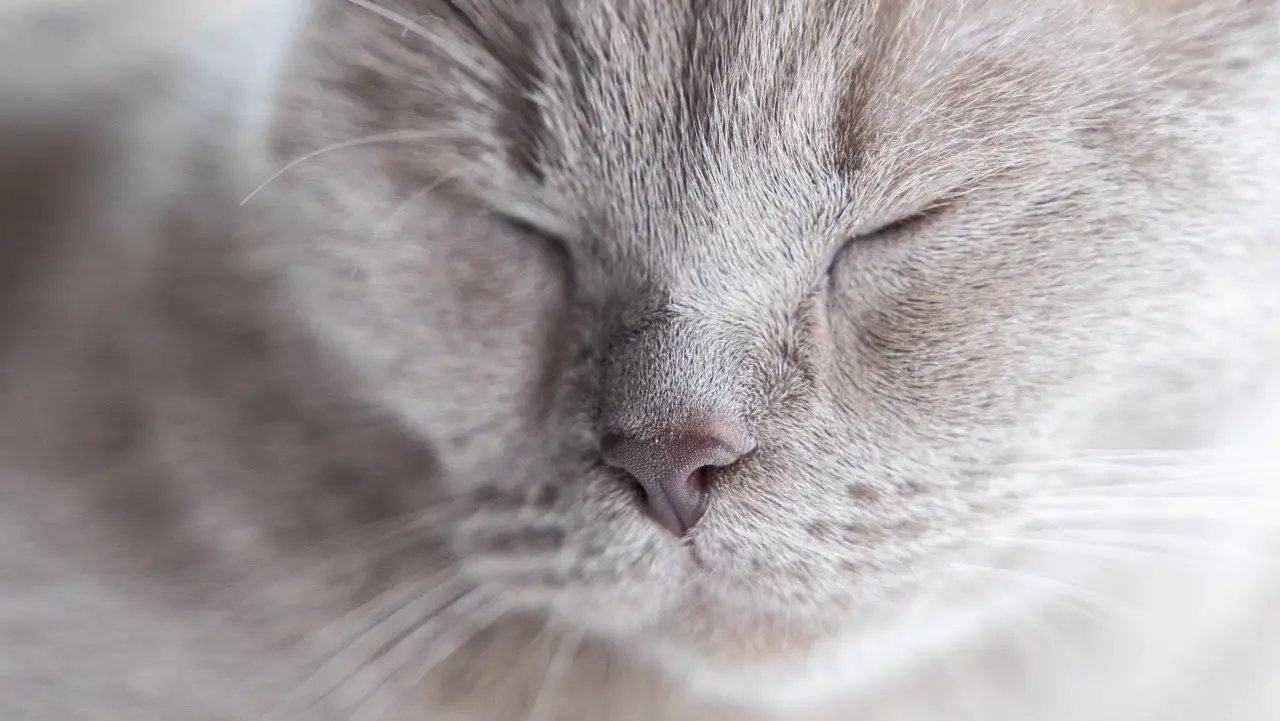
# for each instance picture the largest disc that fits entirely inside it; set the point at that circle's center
(679, 130)
(675, 128)
(653, 75)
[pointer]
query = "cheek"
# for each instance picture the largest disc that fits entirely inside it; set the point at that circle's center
(590, 556)
(947, 346)
(457, 326)
(492, 308)
(825, 515)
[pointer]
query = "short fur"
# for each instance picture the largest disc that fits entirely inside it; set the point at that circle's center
(315, 327)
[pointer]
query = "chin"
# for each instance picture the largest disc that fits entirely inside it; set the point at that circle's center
(764, 666)
(725, 645)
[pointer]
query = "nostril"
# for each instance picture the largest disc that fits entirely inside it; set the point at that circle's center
(672, 465)
(698, 489)
(678, 505)
(698, 480)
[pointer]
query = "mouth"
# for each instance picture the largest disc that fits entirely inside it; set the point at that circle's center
(717, 598)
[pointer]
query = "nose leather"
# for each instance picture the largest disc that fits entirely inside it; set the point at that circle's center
(672, 467)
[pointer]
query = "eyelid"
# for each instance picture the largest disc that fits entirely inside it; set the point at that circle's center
(928, 213)
(553, 243)
(526, 226)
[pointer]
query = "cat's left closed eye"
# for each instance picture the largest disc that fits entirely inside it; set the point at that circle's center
(885, 232)
(547, 241)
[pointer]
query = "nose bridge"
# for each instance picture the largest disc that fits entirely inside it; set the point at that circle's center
(673, 369)
(711, 272)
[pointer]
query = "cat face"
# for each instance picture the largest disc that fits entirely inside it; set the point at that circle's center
(748, 309)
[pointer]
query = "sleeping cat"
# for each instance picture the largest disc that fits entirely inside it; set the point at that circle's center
(679, 360)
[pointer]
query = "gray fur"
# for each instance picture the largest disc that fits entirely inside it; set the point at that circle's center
(912, 247)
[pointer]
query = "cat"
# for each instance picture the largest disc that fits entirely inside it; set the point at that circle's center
(741, 360)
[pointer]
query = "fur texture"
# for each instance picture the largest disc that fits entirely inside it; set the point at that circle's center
(992, 285)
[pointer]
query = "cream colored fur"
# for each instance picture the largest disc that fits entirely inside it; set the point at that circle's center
(313, 317)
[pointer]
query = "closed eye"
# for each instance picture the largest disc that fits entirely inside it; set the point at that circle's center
(551, 243)
(891, 230)
(912, 221)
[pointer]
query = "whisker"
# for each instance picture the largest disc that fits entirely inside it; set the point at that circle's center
(439, 40)
(1069, 590)
(1077, 547)
(1094, 476)
(1120, 457)
(368, 617)
(1127, 534)
(407, 530)
(362, 536)
(385, 226)
(403, 21)
(1069, 498)
(1093, 469)
(1253, 498)
(1169, 547)
(383, 619)
(1165, 513)
(557, 668)
(1208, 465)
(388, 137)
(370, 538)
(1107, 474)
(1219, 550)
(1163, 485)
(477, 612)
(1148, 502)
(303, 566)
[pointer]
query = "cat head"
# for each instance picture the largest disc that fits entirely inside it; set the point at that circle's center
(732, 320)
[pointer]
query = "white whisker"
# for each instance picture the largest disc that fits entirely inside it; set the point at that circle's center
(361, 537)
(385, 226)
(441, 39)
(380, 620)
(1158, 502)
(1105, 475)
(370, 618)
(301, 567)
(388, 137)
(1063, 590)
(1095, 467)
(391, 538)
(1180, 486)
(1144, 499)
(1122, 457)
(557, 668)
(1126, 534)
(403, 21)
(1137, 512)
(1169, 548)
(437, 645)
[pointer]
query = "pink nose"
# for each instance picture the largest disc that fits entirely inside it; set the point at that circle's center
(672, 467)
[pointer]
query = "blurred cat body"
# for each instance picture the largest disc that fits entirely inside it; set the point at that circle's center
(988, 287)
